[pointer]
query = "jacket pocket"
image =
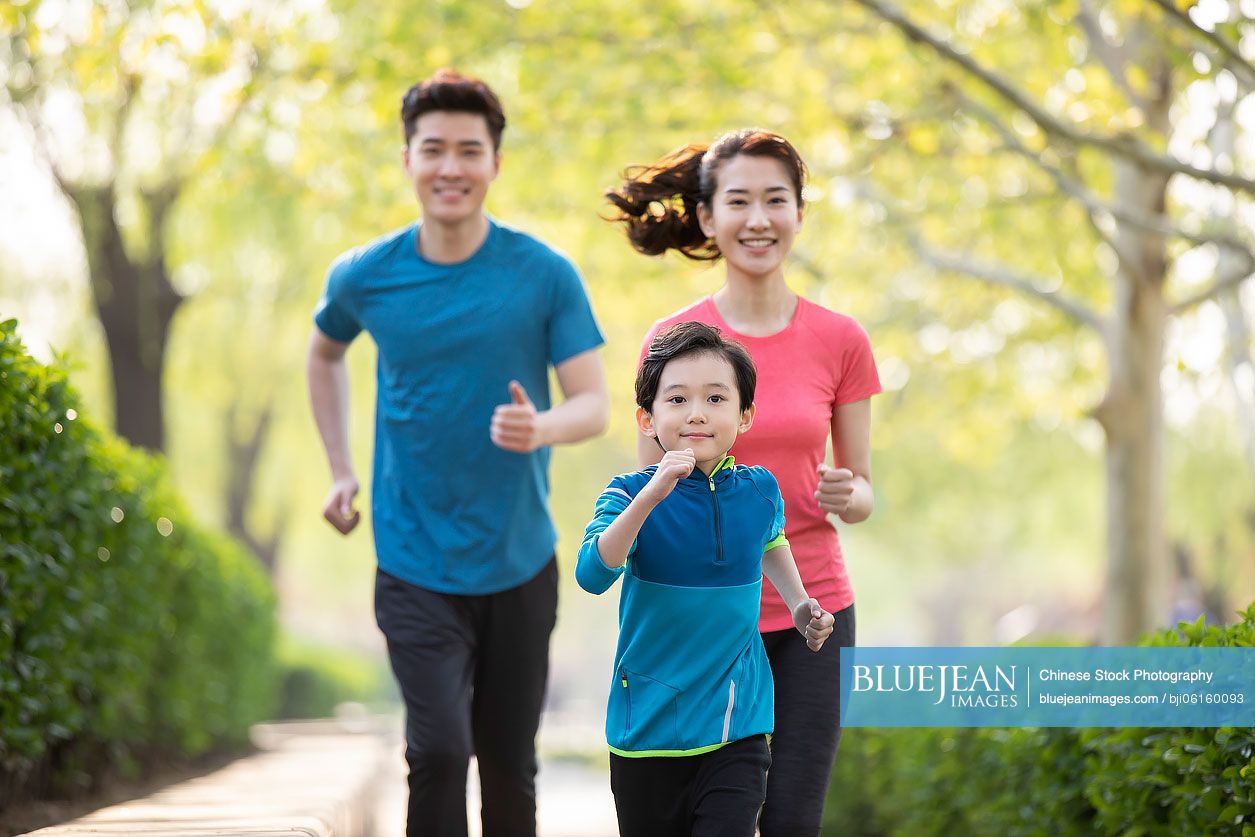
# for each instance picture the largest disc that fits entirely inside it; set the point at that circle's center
(651, 713)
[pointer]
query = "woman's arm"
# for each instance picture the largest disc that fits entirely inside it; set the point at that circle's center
(846, 490)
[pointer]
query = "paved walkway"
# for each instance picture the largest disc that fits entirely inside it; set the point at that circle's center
(324, 779)
(316, 783)
(574, 800)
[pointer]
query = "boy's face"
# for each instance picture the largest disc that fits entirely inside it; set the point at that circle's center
(697, 406)
(451, 162)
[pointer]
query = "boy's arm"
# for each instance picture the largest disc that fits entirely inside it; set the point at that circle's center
(809, 618)
(616, 542)
(590, 572)
(611, 535)
(610, 538)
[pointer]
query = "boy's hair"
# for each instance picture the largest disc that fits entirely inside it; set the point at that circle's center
(693, 338)
(449, 90)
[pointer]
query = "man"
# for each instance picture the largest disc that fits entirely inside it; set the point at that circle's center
(467, 315)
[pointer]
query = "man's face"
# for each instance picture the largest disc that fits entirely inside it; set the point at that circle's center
(451, 161)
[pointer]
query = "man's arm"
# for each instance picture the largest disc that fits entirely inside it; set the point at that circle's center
(329, 396)
(583, 413)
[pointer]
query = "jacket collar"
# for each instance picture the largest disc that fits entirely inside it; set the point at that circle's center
(722, 471)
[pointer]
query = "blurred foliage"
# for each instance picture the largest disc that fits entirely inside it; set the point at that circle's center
(128, 632)
(1058, 781)
(316, 679)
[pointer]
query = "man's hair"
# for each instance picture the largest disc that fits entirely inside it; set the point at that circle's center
(449, 90)
(692, 338)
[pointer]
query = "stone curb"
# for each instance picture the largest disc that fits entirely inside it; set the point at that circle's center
(312, 779)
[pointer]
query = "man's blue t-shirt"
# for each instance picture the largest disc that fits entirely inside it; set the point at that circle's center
(451, 511)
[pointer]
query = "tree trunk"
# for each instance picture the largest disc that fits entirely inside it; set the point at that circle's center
(135, 303)
(1138, 583)
(1241, 368)
(1238, 359)
(1137, 595)
(243, 455)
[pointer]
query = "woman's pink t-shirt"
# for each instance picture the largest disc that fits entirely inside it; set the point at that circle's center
(818, 362)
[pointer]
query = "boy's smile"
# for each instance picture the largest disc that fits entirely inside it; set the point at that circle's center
(698, 407)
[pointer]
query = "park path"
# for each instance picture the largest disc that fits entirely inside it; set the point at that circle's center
(339, 779)
(574, 801)
(573, 796)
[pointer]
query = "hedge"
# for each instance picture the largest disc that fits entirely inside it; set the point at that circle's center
(1171, 781)
(127, 632)
(315, 679)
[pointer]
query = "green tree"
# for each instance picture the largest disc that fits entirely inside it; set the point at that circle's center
(126, 102)
(1097, 107)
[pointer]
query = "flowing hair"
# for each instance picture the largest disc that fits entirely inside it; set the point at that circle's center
(657, 204)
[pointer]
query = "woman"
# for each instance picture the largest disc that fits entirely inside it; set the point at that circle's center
(740, 200)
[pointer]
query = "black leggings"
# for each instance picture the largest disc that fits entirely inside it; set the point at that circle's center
(472, 672)
(804, 746)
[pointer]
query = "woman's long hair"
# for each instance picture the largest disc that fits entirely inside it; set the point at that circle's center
(657, 204)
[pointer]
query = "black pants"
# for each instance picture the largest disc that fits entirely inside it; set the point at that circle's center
(472, 673)
(808, 730)
(716, 794)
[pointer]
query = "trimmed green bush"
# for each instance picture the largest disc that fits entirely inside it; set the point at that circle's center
(316, 679)
(126, 631)
(1171, 781)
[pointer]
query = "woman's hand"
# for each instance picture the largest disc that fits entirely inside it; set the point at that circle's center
(835, 489)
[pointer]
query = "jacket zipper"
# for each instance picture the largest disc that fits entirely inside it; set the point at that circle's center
(714, 499)
(727, 716)
(628, 702)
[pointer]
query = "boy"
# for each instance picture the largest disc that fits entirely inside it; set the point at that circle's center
(691, 701)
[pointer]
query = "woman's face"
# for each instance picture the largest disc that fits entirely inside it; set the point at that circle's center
(753, 215)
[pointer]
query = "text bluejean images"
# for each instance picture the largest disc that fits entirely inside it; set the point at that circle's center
(1047, 687)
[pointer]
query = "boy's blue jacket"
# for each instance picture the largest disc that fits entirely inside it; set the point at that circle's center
(690, 671)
